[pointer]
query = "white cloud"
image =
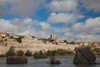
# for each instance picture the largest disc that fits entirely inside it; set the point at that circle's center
(92, 5)
(21, 8)
(45, 25)
(82, 37)
(87, 37)
(63, 5)
(63, 18)
(91, 25)
(60, 29)
(69, 34)
(5, 25)
(24, 27)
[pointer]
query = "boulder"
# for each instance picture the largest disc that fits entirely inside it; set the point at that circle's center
(84, 56)
(16, 60)
(57, 62)
(54, 61)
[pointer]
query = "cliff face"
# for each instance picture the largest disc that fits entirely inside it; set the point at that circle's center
(84, 56)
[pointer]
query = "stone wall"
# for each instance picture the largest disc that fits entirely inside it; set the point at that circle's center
(34, 46)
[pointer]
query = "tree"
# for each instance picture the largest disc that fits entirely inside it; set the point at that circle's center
(11, 52)
(32, 36)
(12, 37)
(20, 53)
(28, 53)
(66, 41)
(40, 52)
(19, 40)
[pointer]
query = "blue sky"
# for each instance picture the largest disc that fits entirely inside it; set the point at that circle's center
(77, 20)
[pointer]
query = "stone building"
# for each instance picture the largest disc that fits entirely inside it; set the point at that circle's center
(56, 39)
(9, 34)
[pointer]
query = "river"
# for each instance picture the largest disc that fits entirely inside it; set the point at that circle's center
(66, 62)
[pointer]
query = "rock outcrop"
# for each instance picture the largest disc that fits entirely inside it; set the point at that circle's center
(84, 56)
(54, 61)
(16, 60)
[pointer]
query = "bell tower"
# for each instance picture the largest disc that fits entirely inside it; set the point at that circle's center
(52, 36)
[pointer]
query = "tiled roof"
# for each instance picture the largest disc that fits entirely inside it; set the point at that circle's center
(55, 38)
(1, 33)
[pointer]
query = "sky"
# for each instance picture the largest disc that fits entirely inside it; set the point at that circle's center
(75, 20)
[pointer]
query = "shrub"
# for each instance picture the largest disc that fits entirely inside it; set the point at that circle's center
(39, 55)
(2, 56)
(12, 37)
(49, 53)
(20, 53)
(11, 52)
(62, 52)
(19, 40)
(33, 36)
(28, 53)
(40, 52)
(58, 52)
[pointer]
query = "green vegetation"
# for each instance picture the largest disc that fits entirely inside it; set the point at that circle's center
(40, 55)
(11, 52)
(58, 52)
(12, 37)
(33, 36)
(28, 53)
(66, 41)
(62, 52)
(21, 36)
(20, 53)
(19, 40)
(2, 56)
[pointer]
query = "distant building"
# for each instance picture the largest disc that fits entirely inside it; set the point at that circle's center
(1, 33)
(87, 43)
(56, 39)
(93, 43)
(78, 43)
(9, 34)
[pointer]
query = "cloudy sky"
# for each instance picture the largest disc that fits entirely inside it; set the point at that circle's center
(77, 20)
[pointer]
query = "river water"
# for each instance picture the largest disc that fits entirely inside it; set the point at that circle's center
(66, 62)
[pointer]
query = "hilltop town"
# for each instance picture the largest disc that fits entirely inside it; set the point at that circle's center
(25, 42)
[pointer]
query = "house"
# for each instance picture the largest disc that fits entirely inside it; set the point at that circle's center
(95, 43)
(86, 43)
(9, 34)
(1, 33)
(56, 39)
(78, 43)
